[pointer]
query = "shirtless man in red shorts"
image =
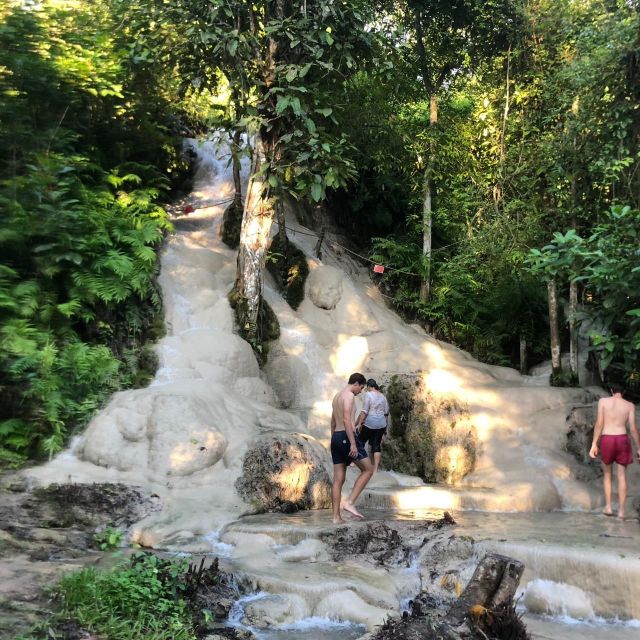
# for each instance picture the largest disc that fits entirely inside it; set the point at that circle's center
(610, 439)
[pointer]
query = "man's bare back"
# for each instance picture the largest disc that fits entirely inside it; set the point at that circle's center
(615, 412)
(343, 405)
(611, 442)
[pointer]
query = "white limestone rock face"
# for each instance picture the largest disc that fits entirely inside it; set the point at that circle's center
(324, 287)
(286, 375)
(170, 435)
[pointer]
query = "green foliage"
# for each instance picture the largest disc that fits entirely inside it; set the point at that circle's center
(284, 67)
(108, 538)
(80, 222)
(607, 265)
(142, 599)
(539, 136)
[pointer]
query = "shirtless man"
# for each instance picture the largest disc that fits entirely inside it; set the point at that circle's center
(346, 449)
(614, 445)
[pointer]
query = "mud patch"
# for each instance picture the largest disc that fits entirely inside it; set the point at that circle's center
(50, 531)
(385, 543)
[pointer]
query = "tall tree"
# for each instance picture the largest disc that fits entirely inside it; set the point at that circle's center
(289, 58)
(448, 38)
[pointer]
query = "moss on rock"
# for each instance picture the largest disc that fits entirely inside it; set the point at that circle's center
(288, 265)
(231, 225)
(268, 326)
(285, 473)
(430, 436)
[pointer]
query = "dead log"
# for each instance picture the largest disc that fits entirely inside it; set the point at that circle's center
(491, 588)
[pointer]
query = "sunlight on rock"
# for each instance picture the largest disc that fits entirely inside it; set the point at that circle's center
(453, 462)
(421, 498)
(293, 480)
(349, 355)
(196, 454)
(484, 423)
(441, 381)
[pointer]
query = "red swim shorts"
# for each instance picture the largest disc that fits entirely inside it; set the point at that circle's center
(616, 448)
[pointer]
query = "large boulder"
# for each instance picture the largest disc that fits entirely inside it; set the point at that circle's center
(165, 434)
(324, 287)
(431, 436)
(285, 473)
(580, 423)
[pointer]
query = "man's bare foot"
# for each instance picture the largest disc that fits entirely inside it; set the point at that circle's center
(620, 515)
(607, 512)
(347, 506)
(338, 520)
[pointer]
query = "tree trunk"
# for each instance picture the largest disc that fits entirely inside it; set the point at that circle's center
(573, 329)
(237, 183)
(493, 585)
(523, 355)
(427, 205)
(254, 240)
(282, 227)
(554, 331)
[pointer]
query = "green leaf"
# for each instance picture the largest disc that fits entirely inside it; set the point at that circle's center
(282, 103)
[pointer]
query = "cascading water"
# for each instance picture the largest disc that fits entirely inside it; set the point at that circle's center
(184, 437)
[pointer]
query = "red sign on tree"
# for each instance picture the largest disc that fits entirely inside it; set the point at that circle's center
(378, 268)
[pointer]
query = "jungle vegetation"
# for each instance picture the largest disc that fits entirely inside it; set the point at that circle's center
(485, 152)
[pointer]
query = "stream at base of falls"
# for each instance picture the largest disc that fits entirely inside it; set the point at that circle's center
(306, 629)
(581, 580)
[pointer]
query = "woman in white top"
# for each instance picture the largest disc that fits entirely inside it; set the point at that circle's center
(373, 421)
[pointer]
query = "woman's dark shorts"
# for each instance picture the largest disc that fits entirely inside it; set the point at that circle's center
(373, 437)
(340, 449)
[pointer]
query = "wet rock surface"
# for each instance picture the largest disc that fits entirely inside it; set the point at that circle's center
(285, 473)
(324, 287)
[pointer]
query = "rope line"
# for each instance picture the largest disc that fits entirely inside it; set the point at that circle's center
(334, 243)
(337, 244)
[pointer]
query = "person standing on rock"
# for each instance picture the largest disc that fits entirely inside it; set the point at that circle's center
(345, 448)
(373, 421)
(610, 439)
